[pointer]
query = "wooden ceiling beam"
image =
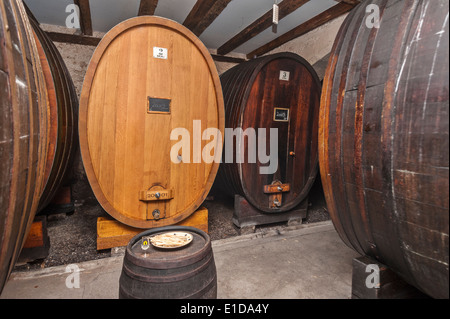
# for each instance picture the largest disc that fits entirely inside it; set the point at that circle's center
(285, 8)
(85, 16)
(320, 19)
(73, 38)
(352, 2)
(94, 41)
(203, 14)
(229, 59)
(147, 7)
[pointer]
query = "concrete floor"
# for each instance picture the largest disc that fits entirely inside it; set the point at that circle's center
(300, 262)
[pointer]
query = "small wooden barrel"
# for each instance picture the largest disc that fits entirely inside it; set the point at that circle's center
(62, 115)
(384, 138)
(187, 272)
(23, 132)
(151, 86)
(280, 91)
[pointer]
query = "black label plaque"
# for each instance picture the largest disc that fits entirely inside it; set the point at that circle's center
(281, 115)
(156, 105)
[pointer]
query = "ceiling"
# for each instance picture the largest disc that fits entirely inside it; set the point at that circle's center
(237, 26)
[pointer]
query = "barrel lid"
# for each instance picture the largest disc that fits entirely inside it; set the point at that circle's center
(159, 258)
(150, 85)
(284, 90)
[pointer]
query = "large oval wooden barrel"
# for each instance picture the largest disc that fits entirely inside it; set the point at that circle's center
(23, 132)
(187, 272)
(282, 92)
(62, 114)
(149, 82)
(384, 138)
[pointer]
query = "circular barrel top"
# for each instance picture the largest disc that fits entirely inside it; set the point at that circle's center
(151, 84)
(160, 258)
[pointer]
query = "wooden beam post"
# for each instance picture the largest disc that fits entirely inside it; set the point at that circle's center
(147, 7)
(73, 38)
(229, 59)
(85, 16)
(203, 14)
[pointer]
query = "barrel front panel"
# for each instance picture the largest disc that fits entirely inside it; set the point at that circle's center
(280, 92)
(289, 105)
(383, 139)
(129, 138)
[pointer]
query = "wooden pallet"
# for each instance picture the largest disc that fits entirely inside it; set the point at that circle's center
(388, 285)
(37, 244)
(62, 203)
(246, 216)
(111, 233)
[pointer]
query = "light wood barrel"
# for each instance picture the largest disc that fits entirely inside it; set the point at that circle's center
(23, 132)
(282, 92)
(384, 138)
(148, 79)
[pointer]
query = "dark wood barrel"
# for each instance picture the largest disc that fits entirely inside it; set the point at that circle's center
(384, 138)
(23, 132)
(187, 272)
(280, 91)
(63, 122)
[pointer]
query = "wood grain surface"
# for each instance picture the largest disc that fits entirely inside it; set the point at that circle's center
(253, 91)
(23, 132)
(125, 148)
(62, 143)
(384, 139)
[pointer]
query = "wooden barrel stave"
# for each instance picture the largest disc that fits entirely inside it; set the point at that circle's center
(242, 86)
(384, 189)
(23, 132)
(227, 176)
(63, 101)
